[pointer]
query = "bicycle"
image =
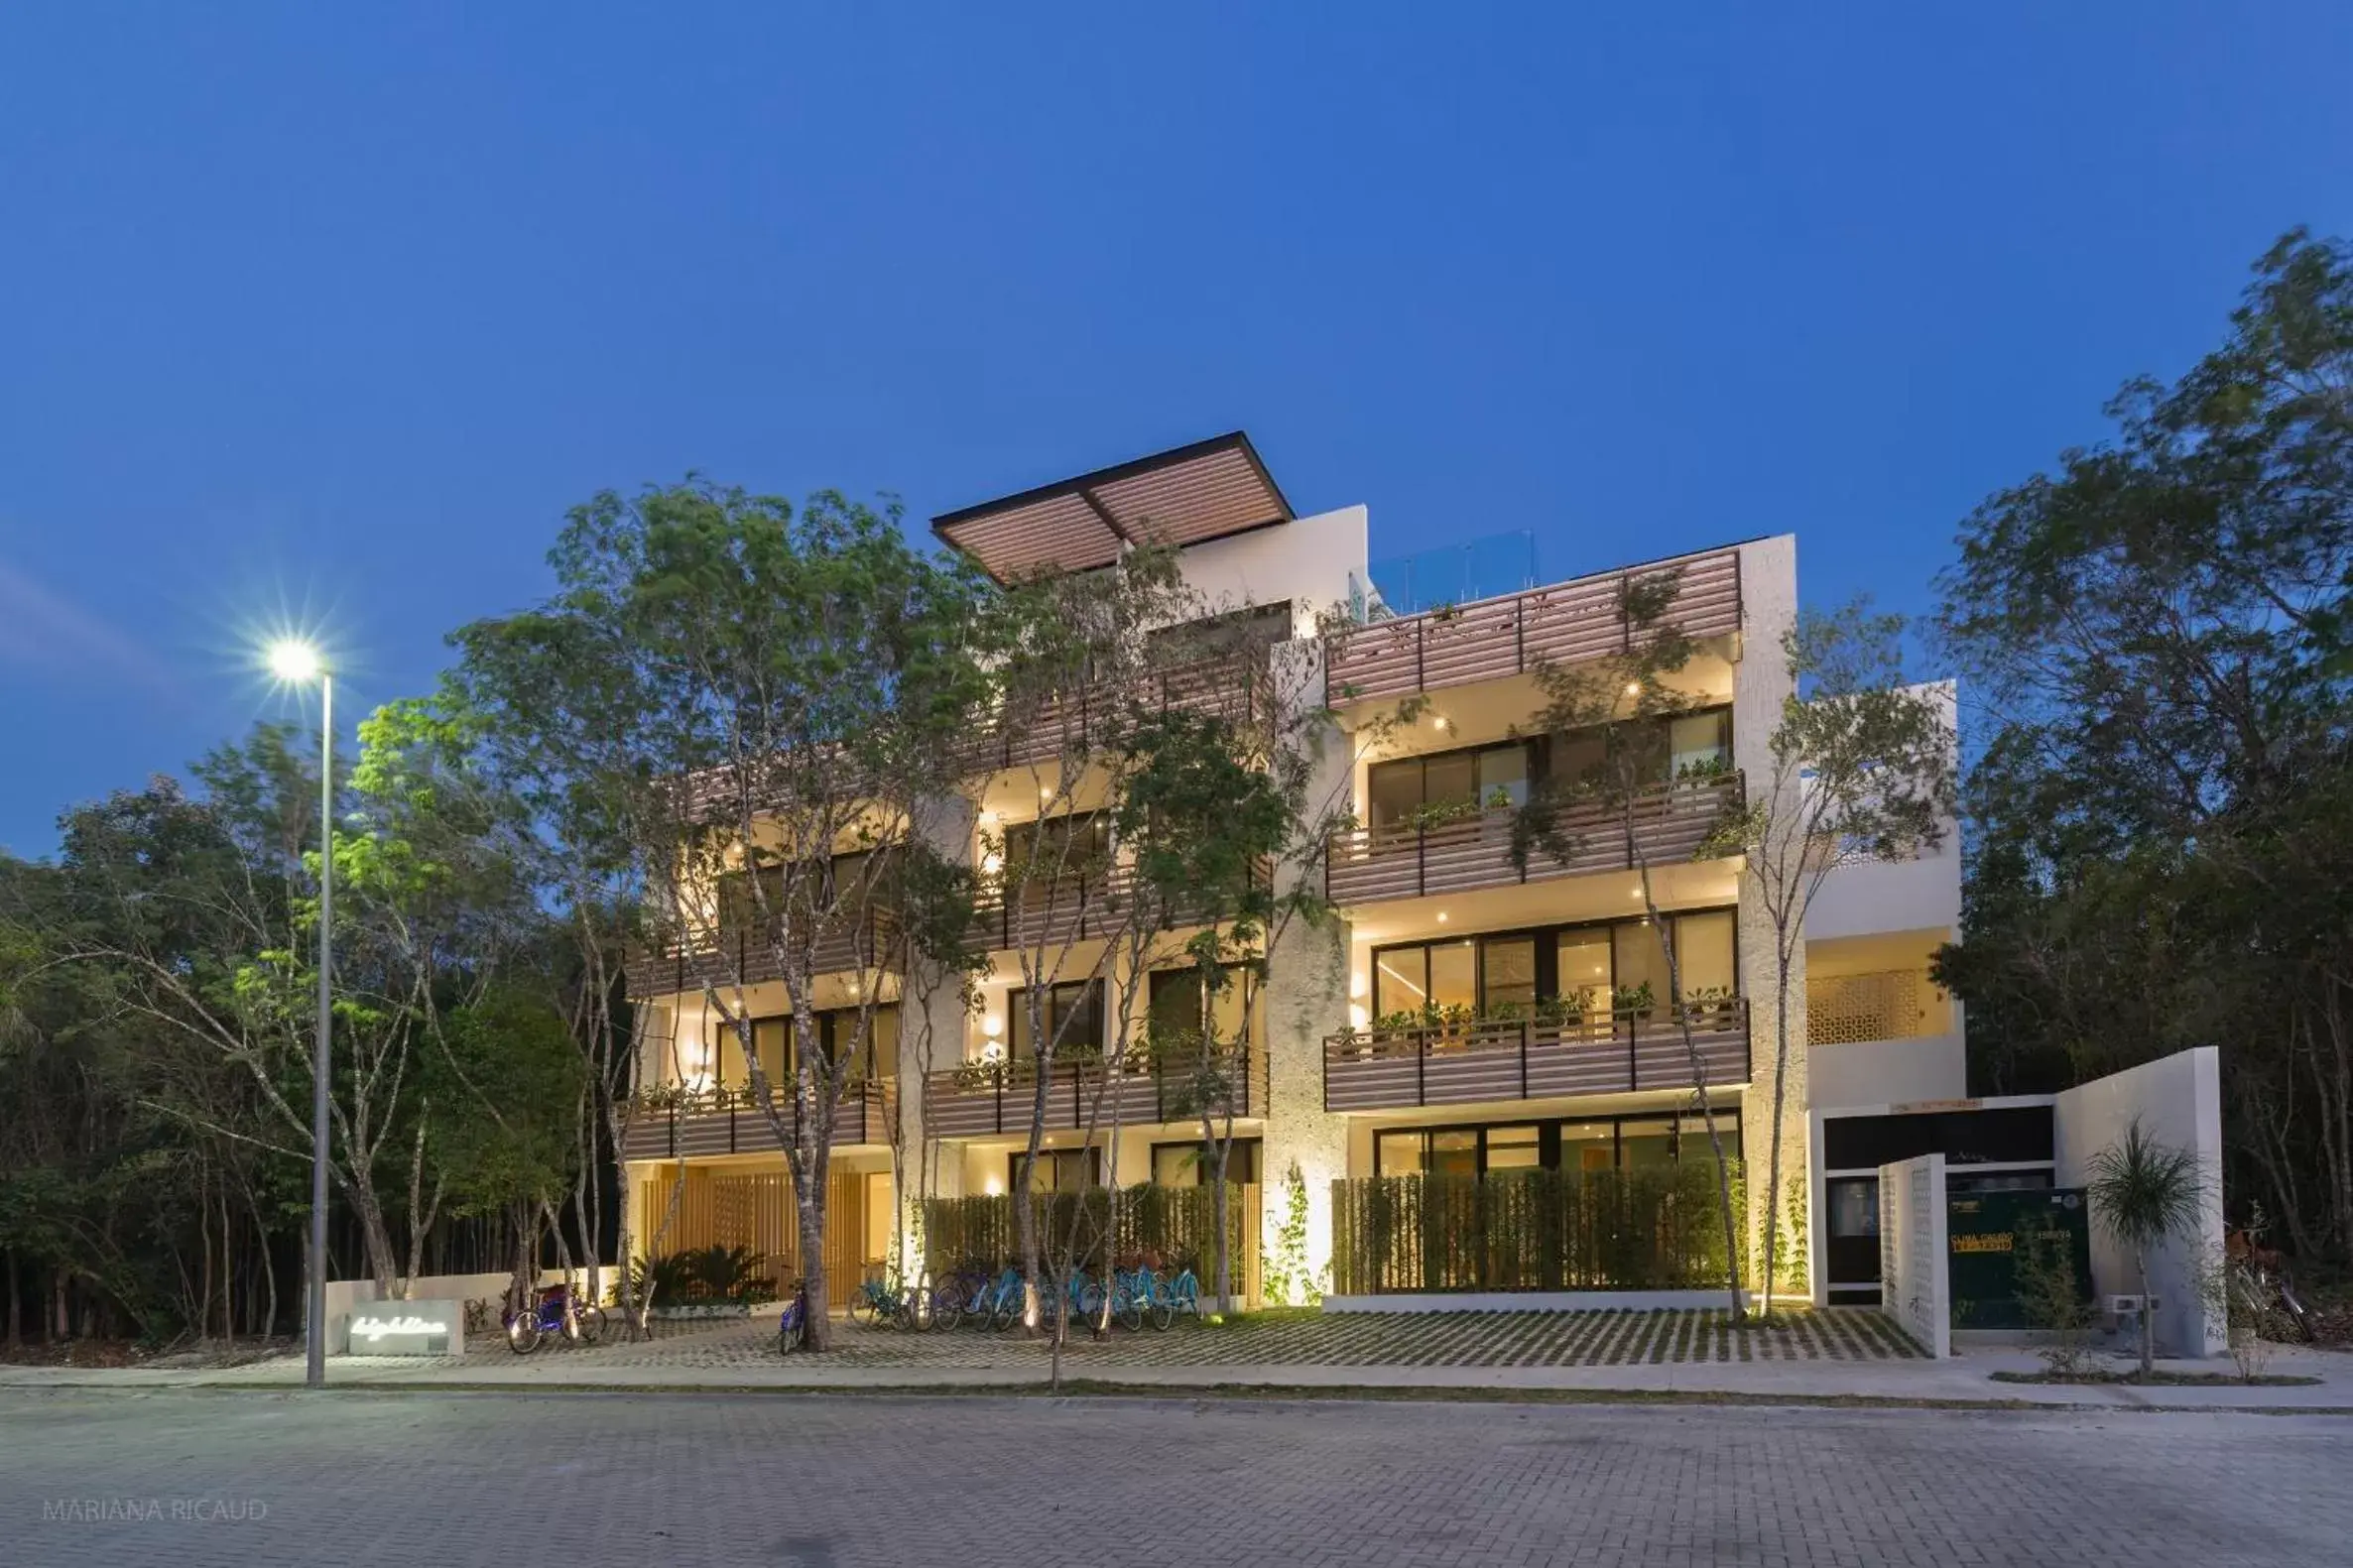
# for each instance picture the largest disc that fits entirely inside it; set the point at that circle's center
(1136, 1292)
(2263, 1288)
(792, 1330)
(1185, 1294)
(1009, 1299)
(556, 1311)
(876, 1302)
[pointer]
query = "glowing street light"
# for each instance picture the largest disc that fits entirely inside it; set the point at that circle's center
(298, 664)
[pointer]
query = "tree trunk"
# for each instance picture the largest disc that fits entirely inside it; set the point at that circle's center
(16, 1304)
(1780, 1090)
(1220, 1202)
(808, 1204)
(2147, 1315)
(61, 1316)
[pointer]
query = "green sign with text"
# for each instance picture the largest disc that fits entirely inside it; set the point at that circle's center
(1982, 1234)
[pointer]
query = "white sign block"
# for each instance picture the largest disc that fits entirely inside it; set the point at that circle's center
(403, 1328)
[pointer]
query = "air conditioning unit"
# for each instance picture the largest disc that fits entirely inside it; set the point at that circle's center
(2130, 1305)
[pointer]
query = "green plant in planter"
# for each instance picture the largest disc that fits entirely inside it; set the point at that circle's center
(703, 1276)
(1703, 771)
(1635, 1000)
(1438, 813)
(979, 1075)
(1561, 1011)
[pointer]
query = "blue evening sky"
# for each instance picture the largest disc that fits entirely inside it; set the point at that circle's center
(328, 312)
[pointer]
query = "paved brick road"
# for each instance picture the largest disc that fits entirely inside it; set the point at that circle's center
(834, 1482)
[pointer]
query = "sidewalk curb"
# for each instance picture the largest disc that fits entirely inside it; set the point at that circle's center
(1222, 1393)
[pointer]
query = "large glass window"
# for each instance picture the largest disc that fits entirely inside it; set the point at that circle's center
(1071, 845)
(1508, 972)
(1700, 744)
(1637, 962)
(1058, 1170)
(1585, 963)
(1455, 1152)
(1588, 1145)
(1399, 1153)
(1190, 1165)
(1438, 974)
(1599, 1144)
(1475, 777)
(1072, 1014)
(836, 1029)
(1704, 954)
(1514, 1149)
(1178, 1005)
(1584, 956)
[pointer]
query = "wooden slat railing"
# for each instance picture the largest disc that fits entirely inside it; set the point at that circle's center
(1231, 685)
(726, 958)
(989, 1102)
(730, 1122)
(1669, 823)
(1490, 637)
(1522, 1059)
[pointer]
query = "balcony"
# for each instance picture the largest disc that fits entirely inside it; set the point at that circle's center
(728, 958)
(1524, 1059)
(1366, 866)
(988, 1100)
(730, 1122)
(1492, 638)
(1088, 907)
(1229, 685)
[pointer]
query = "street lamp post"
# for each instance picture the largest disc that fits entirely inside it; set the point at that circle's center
(300, 661)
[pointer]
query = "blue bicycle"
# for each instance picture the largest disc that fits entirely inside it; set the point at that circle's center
(556, 1311)
(792, 1330)
(1139, 1295)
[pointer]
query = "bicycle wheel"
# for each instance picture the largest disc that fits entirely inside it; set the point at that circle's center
(523, 1333)
(1128, 1307)
(792, 1331)
(948, 1306)
(865, 1310)
(1164, 1311)
(1006, 1307)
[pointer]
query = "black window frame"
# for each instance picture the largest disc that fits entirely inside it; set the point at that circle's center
(1548, 1140)
(1531, 749)
(1254, 1146)
(1016, 1016)
(828, 1020)
(1548, 952)
(1095, 1168)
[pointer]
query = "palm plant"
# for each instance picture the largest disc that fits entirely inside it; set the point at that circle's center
(2144, 1191)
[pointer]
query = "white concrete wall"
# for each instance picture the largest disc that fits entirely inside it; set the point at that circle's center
(1922, 893)
(2179, 1101)
(1306, 561)
(1888, 1072)
(1915, 1273)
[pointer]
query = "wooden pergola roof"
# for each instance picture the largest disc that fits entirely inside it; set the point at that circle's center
(1205, 491)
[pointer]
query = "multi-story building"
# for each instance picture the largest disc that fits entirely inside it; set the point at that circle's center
(1466, 1013)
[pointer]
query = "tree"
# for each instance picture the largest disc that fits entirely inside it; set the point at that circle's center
(1623, 794)
(2144, 1192)
(1862, 770)
(2157, 630)
(788, 693)
(1080, 665)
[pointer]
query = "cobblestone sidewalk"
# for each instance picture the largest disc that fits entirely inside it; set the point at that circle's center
(1443, 1338)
